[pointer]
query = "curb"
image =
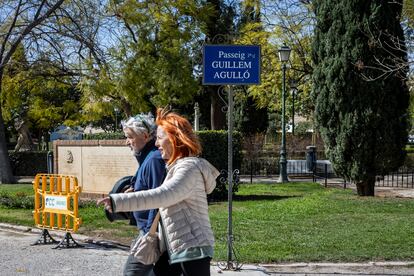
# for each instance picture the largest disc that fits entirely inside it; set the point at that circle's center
(61, 234)
(321, 265)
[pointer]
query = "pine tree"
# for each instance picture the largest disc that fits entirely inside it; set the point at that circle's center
(363, 123)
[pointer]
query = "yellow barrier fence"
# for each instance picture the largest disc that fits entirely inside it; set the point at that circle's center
(56, 202)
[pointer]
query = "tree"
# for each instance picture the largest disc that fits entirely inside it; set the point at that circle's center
(394, 64)
(149, 64)
(363, 124)
(219, 29)
(17, 21)
(289, 22)
(34, 99)
(249, 118)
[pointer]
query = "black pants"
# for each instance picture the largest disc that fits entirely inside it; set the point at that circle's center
(191, 268)
(135, 268)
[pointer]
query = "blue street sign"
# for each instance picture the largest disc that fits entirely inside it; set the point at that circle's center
(231, 64)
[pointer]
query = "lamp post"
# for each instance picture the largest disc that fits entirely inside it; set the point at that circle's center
(116, 109)
(294, 89)
(284, 53)
(196, 117)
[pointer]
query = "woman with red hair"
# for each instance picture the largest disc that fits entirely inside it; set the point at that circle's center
(187, 238)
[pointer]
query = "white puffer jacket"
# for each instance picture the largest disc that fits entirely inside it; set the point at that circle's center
(182, 200)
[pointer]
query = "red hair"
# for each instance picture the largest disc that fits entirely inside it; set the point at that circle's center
(180, 133)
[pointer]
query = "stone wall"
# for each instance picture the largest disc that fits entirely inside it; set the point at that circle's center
(97, 164)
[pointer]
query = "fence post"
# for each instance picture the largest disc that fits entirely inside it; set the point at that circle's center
(326, 175)
(251, 171)
(398, 173)
(313, 172)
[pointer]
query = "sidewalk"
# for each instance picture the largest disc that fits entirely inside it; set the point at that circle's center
(120, 253)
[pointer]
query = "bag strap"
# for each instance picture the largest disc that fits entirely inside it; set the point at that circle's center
(155, 224)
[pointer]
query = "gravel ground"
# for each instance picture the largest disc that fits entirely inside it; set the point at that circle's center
(19, 257)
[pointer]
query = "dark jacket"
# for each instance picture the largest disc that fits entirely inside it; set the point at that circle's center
(150, 174)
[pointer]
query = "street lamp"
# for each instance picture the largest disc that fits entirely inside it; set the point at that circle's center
(294, 89)
(284, 53)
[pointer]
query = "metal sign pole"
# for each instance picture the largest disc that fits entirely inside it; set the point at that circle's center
(230, 177)
(231, 65)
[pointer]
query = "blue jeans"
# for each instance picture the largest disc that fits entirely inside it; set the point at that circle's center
(135, 268)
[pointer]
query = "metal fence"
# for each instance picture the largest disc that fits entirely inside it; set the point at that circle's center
(322, 170)
(403, 178)
(270, 166)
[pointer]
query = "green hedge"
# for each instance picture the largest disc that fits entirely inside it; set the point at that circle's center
(28, 163)
(104, 136)
(214, 143)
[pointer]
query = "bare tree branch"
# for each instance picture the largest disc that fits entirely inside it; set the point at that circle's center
(5, 41)
(36, 21)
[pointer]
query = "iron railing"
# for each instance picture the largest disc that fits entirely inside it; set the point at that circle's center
(403, 178)
(322, 170)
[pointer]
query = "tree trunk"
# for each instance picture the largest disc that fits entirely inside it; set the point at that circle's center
(24, 140)
(366, 188)
(126, 107)
(6, 174)
(217, 115)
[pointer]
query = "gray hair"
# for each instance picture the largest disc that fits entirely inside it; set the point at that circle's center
(141, 123)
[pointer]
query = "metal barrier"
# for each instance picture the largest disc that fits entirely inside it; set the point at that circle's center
(403, 178)
(56, 206)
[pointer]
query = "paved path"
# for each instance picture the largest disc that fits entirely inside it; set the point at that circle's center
(18, 257)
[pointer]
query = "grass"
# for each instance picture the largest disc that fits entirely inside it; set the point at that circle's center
(295, 222)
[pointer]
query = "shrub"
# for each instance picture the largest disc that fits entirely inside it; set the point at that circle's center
(28, 163)
(19, 200)
(214, 143)
(104, 136)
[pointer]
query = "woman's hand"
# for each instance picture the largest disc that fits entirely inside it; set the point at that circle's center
(106, 201)
(129, 190)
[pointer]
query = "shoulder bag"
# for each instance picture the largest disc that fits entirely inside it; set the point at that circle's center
(146, 248)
